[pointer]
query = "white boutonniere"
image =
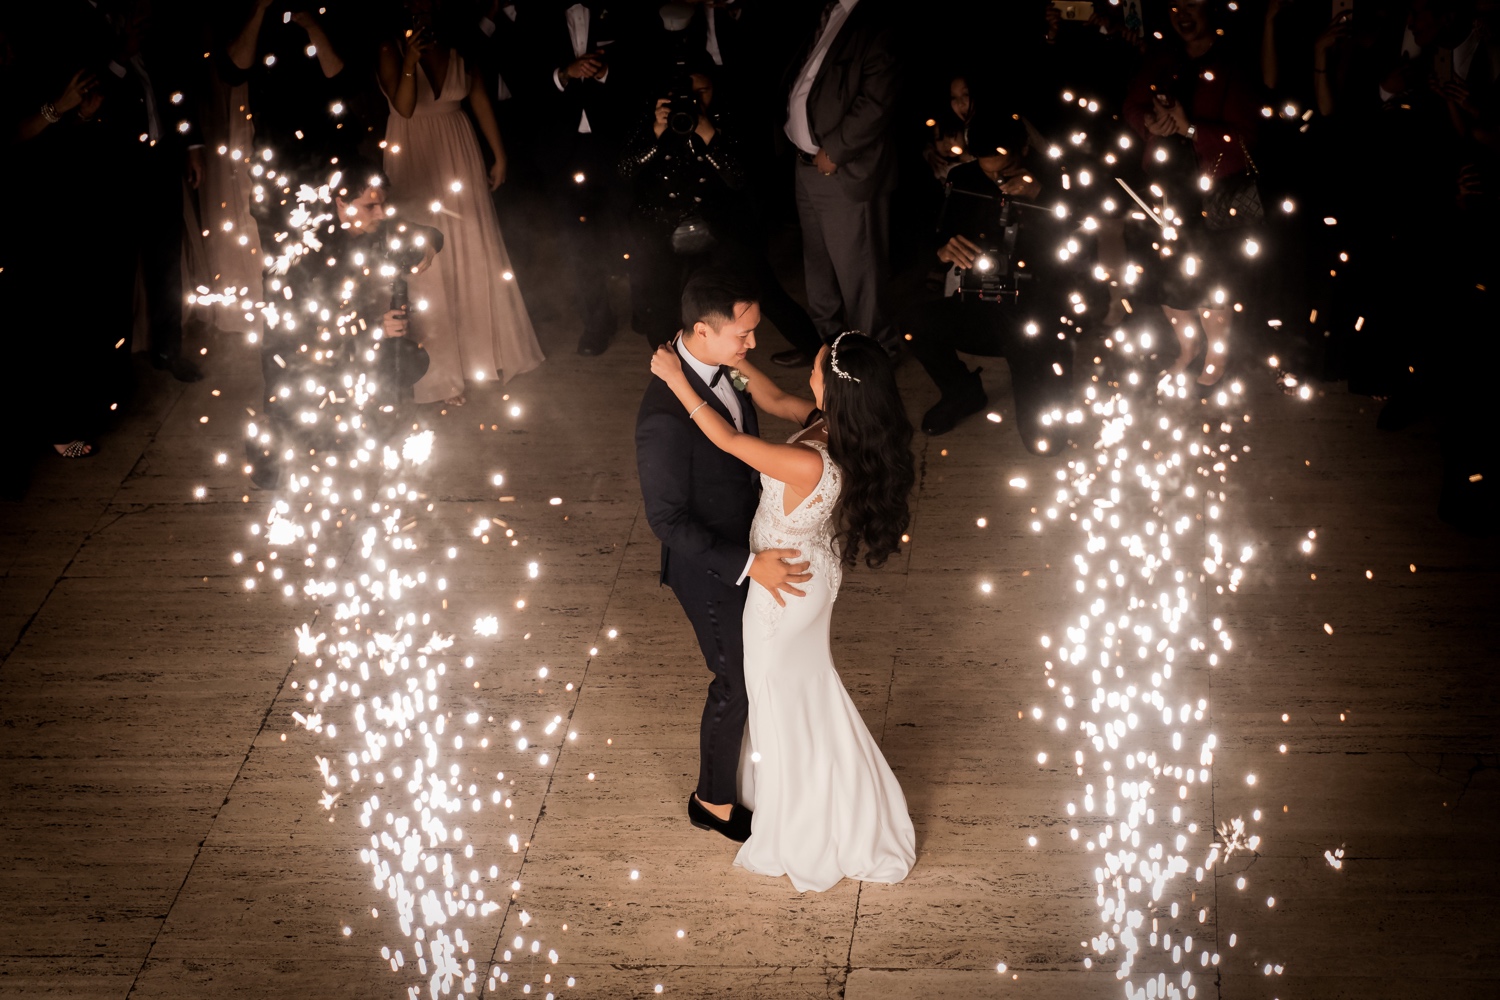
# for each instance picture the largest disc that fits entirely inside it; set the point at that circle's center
(738, 380)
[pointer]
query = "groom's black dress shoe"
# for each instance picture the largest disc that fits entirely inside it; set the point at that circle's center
(736, 827)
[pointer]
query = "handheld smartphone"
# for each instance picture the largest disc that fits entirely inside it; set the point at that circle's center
(1343, 8)
(1442, 65)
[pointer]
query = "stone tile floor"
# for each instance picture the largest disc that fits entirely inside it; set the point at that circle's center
(160, 839)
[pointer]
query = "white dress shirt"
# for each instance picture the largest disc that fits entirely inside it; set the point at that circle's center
(1463, 56)
(1409, 50)
(731, 399)
(724, 390)
(153, 123)
(578, 31)
(712, 43)
(797, 128)
(502, 92)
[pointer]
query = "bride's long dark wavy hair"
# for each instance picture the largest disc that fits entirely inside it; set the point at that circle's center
(869, 437)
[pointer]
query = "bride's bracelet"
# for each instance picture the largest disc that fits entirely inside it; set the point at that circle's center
(694, 411)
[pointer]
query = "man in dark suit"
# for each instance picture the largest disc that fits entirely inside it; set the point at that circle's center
(148, 84)
(576, 47)
(841, 97)
(501, 53)
(700, 502)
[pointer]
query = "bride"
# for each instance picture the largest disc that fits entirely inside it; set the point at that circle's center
(826, 805)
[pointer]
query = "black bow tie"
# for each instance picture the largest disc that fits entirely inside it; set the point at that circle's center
(723, 370)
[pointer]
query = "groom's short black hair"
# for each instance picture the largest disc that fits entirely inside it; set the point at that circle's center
(711, 294)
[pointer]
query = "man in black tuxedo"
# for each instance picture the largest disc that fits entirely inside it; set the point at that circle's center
(576, 49)
(700, 502)
(841, 98)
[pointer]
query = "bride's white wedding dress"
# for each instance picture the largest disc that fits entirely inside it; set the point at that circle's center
(827, 806)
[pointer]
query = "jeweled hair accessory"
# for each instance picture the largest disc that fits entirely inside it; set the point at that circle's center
(833, 357)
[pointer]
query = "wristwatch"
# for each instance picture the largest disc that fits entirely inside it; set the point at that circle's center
(1192, 130)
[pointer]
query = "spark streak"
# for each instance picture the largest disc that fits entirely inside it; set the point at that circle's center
(410, 744)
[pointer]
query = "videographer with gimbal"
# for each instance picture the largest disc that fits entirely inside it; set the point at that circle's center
(1004, 289)
(345, 311)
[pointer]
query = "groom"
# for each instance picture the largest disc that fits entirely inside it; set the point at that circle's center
(700, 502)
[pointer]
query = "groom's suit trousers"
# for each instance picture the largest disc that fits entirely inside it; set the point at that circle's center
(716, 614)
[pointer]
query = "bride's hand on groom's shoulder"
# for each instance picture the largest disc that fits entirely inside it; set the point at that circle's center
(666, 365)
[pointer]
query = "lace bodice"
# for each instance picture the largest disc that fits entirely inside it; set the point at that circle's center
(808, 528)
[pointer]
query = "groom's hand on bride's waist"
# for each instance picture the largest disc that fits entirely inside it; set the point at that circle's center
(774, 570)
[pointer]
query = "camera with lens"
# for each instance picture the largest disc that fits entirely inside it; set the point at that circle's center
(401, 362)
(990, 223)
(403, 250)
(683, 109)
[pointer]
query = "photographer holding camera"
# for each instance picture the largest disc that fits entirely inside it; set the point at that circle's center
(691, 207)
(1003, 289)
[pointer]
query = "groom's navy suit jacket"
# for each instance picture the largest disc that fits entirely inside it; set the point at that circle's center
(699, 500)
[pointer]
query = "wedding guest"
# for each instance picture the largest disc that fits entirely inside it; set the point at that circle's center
(500, 56)
(1197, 106)
(477, 323)
(1287, 32)
(699, 30)
(300, 84)
(692, 208)
(503, 59)
(150, 113)
(949, 146)
(231, 244)
(576, 47)
(55, 142)
(1087, 57)
(838, 116)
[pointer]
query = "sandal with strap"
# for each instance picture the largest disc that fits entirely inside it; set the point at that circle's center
(76, 449)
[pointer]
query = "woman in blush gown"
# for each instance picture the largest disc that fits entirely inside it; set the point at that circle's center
(474, 324)
(826, 805)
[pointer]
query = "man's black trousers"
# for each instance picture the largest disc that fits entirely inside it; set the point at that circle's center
(1041, 365)
(716, 616)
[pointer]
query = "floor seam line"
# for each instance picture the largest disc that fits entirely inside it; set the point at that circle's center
(228, 792)
(510, 903)
(62, 574)
(885, 722)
